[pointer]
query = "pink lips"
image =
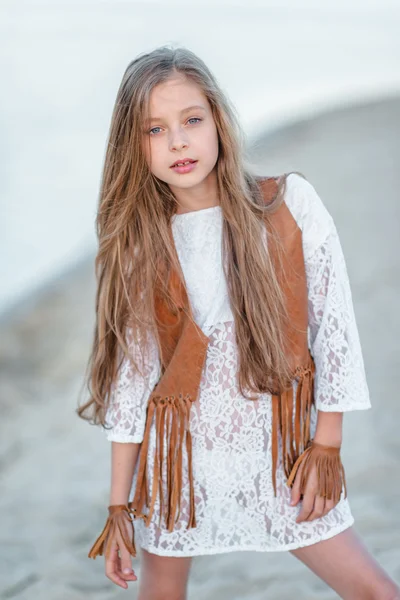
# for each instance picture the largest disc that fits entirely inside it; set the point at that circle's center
(185, 168)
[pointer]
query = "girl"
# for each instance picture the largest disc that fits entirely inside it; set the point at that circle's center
(176, 192)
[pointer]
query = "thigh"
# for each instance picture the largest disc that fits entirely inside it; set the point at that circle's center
(346, 565)
(163, 577)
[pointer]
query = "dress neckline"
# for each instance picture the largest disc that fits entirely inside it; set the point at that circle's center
(200, 211)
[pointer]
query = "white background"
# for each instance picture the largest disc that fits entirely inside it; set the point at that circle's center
(61, 65)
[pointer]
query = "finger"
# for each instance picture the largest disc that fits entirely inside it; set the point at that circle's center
(329, 504)
(124, 559)
(126, 570)
(295, 492)
(318, 511)
(111, 568)
(122, 565)
(307, 507)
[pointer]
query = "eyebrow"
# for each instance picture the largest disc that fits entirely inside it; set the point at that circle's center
(184, 110)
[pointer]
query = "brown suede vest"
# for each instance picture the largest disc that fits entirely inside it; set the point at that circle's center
(183, 354)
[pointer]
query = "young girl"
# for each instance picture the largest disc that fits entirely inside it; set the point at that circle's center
(176, 192)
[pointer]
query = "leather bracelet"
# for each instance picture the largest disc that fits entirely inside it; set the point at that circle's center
(116, 523)
(329, 467)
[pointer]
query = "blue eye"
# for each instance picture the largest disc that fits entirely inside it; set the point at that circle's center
(153, 129)
(150, 132)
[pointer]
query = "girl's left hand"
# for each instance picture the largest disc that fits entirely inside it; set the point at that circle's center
(313, 505)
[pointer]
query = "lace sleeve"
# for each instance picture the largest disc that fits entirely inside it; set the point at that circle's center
(340, 381)
(126, 413)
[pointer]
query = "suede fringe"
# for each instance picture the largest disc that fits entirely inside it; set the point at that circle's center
(293, 442)
(116, 522)
(171, 420)
(330, 471)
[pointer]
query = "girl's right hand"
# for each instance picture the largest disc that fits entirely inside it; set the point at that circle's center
(118, 565)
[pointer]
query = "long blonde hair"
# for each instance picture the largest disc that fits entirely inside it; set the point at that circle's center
(133, 221)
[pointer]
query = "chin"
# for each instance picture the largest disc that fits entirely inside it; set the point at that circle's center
(186, 182)
(190, 179)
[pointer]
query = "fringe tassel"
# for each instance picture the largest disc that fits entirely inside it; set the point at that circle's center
(330, 471)
(293, 442)
(116, 522)
(171, 420)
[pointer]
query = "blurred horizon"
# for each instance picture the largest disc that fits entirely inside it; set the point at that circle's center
(62, 64)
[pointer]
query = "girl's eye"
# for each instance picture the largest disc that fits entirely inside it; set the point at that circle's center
(191, 119)
(151, 130)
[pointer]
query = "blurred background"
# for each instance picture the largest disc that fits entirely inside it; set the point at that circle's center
(317, 88)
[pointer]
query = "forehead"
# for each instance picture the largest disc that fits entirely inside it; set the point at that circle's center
(174, 97)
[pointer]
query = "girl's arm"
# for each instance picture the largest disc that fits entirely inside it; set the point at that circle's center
(335, 342)
(340, 381)
(329, 428)
(126, 413)
(125, 423)
(127, 416)
(123, 461)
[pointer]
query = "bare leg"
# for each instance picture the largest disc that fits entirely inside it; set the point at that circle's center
(163, 577)
(346, 565)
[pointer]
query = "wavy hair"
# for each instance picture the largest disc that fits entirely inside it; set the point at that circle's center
(132, 224)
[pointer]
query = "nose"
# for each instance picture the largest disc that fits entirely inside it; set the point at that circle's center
(178, 140)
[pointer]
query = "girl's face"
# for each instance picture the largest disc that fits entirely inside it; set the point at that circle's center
(182, 127)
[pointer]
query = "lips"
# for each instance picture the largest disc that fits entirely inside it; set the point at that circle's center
(182, 161)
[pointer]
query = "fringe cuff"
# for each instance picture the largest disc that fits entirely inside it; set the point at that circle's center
(116, 521)
(330, 471)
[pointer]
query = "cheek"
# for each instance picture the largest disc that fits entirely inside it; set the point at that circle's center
(206, 136)
(212, 141)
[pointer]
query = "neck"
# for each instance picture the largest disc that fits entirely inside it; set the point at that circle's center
(201, 195)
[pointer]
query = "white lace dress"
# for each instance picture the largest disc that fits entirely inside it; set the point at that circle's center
(235, 504)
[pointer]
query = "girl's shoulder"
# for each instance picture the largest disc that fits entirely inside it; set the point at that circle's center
(308, 210)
